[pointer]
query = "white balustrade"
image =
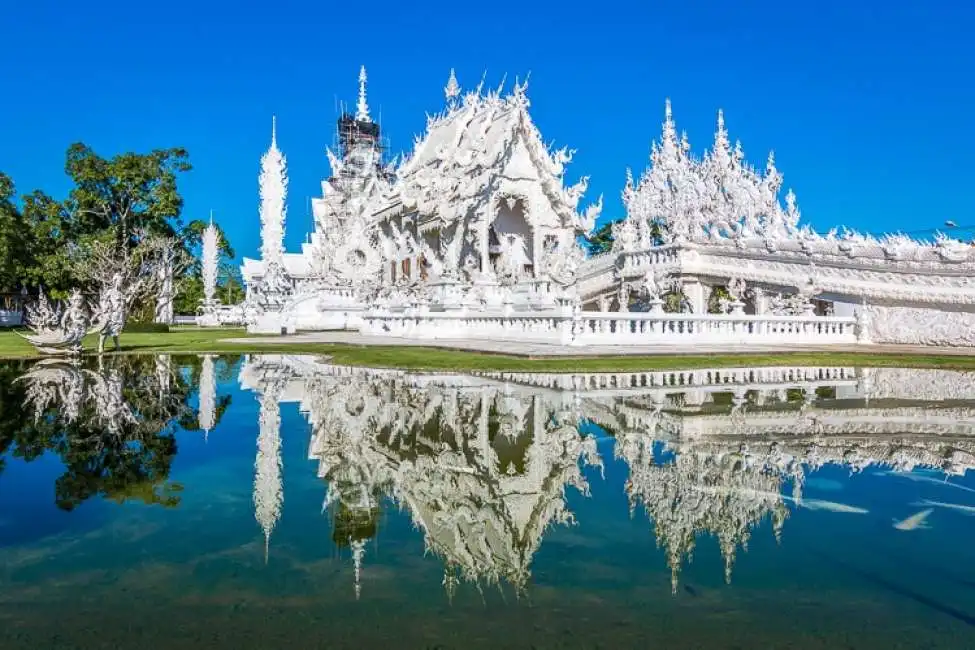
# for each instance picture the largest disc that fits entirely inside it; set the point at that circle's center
(611, 328)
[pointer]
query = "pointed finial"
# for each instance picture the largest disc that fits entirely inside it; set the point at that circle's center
(211, 216)
(452, 89)
(362, 109)
(668, 113)
(720, 120)
(274, 131)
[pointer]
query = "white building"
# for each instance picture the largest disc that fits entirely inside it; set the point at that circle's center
(474, 235)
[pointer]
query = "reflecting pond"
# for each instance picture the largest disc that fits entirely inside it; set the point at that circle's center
(253, 502)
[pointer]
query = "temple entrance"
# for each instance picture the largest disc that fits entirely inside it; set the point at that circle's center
(510, 235)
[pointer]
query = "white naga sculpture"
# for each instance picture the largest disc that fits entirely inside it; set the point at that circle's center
(58, 330)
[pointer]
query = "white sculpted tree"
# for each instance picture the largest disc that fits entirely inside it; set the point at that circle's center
(123, 276)
(168, 258)
(207, 415)
(210, 261)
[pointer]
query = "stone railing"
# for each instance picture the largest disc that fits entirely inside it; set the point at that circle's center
(610, 328)
(615, 328)
(716, 379)
(221, 315)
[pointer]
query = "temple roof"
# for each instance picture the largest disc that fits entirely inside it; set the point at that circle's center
(478, 148)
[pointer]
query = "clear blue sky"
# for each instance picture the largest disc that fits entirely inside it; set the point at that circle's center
(869, 106)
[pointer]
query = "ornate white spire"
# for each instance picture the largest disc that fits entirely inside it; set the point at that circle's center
(268, 489)
(208, 396)
(362, 108)
(274, 191)
(721, 152)
(358, 552)
(668, 137)
(452, 89)
(210, 258)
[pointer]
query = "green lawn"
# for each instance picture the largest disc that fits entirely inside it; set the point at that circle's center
(190, 340)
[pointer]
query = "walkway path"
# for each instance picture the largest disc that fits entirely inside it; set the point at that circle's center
(532, 349)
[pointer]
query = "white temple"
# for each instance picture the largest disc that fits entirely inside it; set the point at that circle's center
(475, 235)
(482, 462)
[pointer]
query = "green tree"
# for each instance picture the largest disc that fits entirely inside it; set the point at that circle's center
(129, 463)
(126, 196)
(230, 285)
(50, 254)
(601, 239)
(13, 238)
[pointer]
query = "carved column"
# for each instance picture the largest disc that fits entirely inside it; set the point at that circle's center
(694, 291)
(536, 255)
(485, 242)
(760, 301)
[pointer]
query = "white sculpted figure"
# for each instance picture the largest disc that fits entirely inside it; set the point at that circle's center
(562, 265)
(652, 285)
(510, 266)
(64, 335)
(736, 289)
(111, 313)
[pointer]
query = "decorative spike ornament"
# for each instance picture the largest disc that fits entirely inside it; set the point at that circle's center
(452, 89)
(362, 108)
(668, 137)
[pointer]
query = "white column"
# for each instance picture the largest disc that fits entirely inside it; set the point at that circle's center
(694, 291)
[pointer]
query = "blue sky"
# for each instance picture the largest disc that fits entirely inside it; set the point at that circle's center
(867, 105)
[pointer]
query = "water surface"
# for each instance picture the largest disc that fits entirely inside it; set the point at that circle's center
(267, 501)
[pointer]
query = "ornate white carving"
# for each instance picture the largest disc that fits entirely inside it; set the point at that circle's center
(57, 330)
(207, 414)
(210, 262)
(424, 441)
(918, 326)
(268, 486)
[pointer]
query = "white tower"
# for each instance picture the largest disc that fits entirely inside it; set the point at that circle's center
(274, 191)
(268, 488)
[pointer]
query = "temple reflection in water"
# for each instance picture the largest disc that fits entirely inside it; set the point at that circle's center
(482, 462)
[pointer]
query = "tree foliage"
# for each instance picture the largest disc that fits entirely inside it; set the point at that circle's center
(601, 240)
(114, 204)
(131, 463)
